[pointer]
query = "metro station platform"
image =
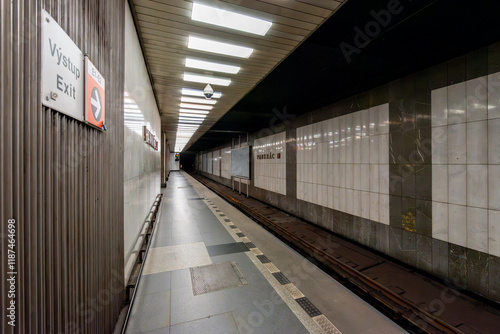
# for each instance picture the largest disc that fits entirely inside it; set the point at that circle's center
(211, 269)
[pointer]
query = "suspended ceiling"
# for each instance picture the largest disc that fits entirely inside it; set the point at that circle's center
(165, 25)
(423, 34)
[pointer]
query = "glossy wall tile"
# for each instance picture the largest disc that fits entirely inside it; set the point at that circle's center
(269, 163)
(465, 170)
(226, 162)
(343, 163)
(216, 157)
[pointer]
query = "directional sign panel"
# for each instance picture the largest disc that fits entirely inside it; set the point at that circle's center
(94, 95)
(62, 70)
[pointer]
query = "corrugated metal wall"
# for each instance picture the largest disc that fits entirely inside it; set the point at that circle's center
(61, 180)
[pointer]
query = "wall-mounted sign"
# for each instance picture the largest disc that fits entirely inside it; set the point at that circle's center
(149, 138)
(269, 155)
(62, 70)
(94, 95)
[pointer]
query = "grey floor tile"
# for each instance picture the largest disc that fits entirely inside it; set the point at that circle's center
(164, 330)
(223, 249)
(161, 242)
(268, 318)
(186, 229)
(180, 279)
(154, 283)
(163, 232)
(187, 307)
(150, 312)
(218, 324)
(216, 238)
(186, 239)
(214, 226)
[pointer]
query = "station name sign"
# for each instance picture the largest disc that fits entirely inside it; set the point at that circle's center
(269, 156)
(149, 138)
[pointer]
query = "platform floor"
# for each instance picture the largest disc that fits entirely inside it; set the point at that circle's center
(259, 285)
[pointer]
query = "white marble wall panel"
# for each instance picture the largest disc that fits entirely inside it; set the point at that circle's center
(210, 162)
(343, 163)
(269, 161)
(142, 163)
(217, 162)
(226, 162)
(466, 164)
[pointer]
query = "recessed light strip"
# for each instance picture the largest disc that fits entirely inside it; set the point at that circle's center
(208, 45)
(197, 100)
(228, 19)
(193, 111)
(196, 106)
(210, 66)
(193, 77)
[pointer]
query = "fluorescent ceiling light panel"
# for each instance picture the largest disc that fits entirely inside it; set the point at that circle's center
(192, 111)
(197, 100)
(228, 19)
(197, 92)
(196, 106)
(192, 115)
(206, 79)
(207, 45)
(200, 120)
(189, 122)
(210, 66)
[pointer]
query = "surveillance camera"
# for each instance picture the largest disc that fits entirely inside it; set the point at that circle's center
(208, 91)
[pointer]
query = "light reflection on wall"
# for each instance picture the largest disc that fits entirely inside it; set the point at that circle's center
(133, 116)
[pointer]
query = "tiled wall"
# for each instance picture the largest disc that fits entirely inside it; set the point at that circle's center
(466, 164)
(343, 163)
(269, 163)
(142, 165)
(216, 162)
(226, 162)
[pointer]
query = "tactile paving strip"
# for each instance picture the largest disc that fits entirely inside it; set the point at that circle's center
(250, 245)
(308, 307)
(326, 325)
(281, 278)
(263, 259)
(241, 235)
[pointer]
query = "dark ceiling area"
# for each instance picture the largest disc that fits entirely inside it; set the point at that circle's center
(416, 35)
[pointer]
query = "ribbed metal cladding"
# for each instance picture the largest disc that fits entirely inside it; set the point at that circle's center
(61, 180)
